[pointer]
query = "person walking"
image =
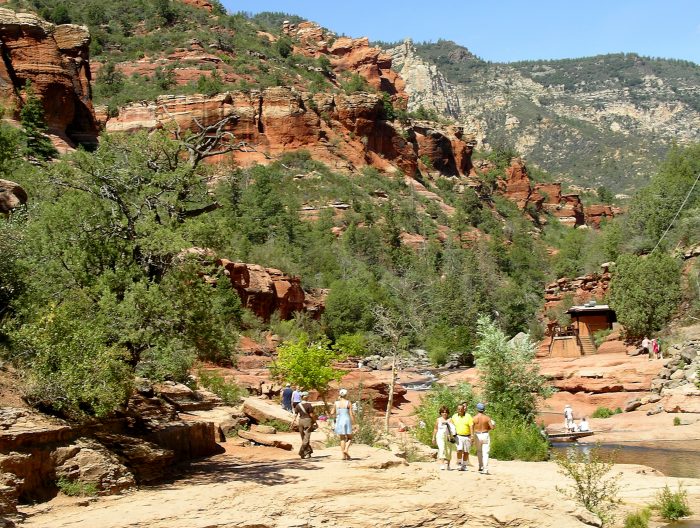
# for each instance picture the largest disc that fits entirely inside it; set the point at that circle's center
(646, 347)
(344, 420)
(659, 351)
(482, 425)
(442, 432)
(569, 419)
(463, 422)
(655, 348)
(304, 414)
(287, 398)
(296, 398)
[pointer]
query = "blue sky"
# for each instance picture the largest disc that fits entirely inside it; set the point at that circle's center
(508, 30)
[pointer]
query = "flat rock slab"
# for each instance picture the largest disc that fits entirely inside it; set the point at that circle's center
(265, 439)
(263, 411)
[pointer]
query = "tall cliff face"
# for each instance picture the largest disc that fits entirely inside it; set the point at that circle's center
(599, 121)
(54, 59)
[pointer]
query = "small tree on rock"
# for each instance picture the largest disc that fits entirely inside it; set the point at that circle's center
(308, 364)
(34, 126)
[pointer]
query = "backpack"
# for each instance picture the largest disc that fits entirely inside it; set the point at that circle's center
(448, 433)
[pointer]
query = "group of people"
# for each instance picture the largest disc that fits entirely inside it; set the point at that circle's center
(461, 431)
(295, 401)
(570, 425)
(652, 347)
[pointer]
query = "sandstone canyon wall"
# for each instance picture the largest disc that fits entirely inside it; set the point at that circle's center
(55, 60)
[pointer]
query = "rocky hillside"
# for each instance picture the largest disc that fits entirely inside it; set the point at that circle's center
(604, 120)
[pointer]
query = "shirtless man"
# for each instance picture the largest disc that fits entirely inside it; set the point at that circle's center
(482, 425)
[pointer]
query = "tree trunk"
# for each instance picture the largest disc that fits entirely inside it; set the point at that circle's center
(390, 402)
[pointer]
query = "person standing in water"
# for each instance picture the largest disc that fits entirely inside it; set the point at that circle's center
(344, 420)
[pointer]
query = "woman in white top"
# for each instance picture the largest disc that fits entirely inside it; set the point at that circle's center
(443, 426)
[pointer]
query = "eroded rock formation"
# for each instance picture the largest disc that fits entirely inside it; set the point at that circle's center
(112, 454)
(267, 290)
(344, 131)
(54, 59)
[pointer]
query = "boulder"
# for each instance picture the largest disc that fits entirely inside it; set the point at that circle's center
(633, 405)
(678, 375)
(185, 399)
(689, 354)
(89, 462)
(685, 399)
(263, 411)
(146, 460)
(265, 439)
(11, 196)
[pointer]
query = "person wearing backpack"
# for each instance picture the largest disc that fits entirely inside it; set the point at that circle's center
(444, 437)
(307, 421)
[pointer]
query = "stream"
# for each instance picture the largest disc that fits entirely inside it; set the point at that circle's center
(672, 458)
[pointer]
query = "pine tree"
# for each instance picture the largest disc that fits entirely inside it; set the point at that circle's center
(34, 126)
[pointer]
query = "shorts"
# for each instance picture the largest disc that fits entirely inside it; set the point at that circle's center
(464, 443)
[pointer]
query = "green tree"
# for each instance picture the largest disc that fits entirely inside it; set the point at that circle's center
(645, 292)
(34, 127)
(512, 382)
(605, 195)
(69, 367)
(284, 46)
(308, 364)
(348, 307)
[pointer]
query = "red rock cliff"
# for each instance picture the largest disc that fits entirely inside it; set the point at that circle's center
(55, 60)
(343, 131)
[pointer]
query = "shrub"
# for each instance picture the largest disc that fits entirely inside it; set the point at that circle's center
(516, 439)
(673, 505)
(638, 519)
(367, 427)
(676, 420)
(591, 487)
(512, 382)
(600, 336)
(76, 488)
(230, 393)
(605, 412)
(279, 425)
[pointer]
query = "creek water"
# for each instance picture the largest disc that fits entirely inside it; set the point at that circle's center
(673, 459)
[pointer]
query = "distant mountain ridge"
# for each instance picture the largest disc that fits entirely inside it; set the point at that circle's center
(604, 120)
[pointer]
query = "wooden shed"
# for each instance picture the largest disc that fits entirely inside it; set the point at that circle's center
(577, 339)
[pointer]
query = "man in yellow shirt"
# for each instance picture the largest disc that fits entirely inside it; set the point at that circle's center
(463, 424)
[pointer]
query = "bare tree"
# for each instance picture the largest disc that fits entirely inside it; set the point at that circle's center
(397, 327)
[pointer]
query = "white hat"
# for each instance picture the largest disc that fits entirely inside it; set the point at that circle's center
(343, 392)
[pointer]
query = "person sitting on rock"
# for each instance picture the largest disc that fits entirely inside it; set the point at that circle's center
(583, 425)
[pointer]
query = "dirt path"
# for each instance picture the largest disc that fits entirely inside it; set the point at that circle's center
(326, 492)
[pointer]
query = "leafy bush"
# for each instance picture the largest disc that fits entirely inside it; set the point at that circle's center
(600, 335)
(367, 425)
(673, 505)
(516, 439)
(70, 366)
(230, 393)
(355, 83)
(76, 488)
(638, 519)
(279, 425)
(591, 486)
(676, 420)
(512, 382)
(605, 412)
